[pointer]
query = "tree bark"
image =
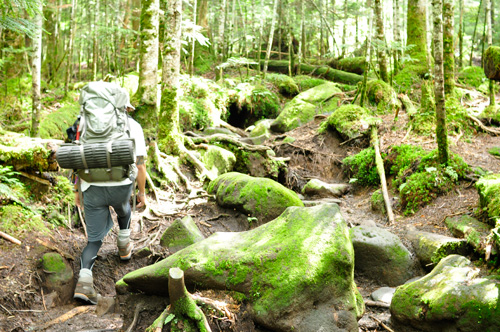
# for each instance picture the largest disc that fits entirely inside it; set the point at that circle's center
(36, 64)
(381, 55)
(441, 130)
(271, 35)
(69, 60)
(448, 47)
(169, 137)
(461, 34)
(221, 42)
(146, 111)
(397, 34)
(95, 47)
(474, 34)
(416, 28)
(489, 34)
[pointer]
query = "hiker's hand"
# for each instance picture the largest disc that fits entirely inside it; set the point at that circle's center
(141, 200)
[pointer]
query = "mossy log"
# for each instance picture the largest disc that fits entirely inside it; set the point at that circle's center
(356, 65)
(491, 62)
(29, 155)
(325, 72)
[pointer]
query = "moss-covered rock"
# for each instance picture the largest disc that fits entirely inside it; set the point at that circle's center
(218, 160)
(262, 198)
(361, 168)
(491, 114)
(430, 248)
(181, 234)
(54, 125)
(296, 271)
(488, 188)
(262, 127)
(381, 256)
(305, 82)
(452, 297)
(284, 83)
(351, 121)
(382, 95)
(470, 229)
(491, 63)
(57, 275)
(354, 65)
(304, 107)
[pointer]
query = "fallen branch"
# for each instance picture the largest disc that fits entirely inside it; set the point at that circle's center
(61, 319)
(235, 130)
(381, 172)
(483, 127)
(230, 140)
(382, 324)
(137, 310)
(36, 179)
(379, 304)
(9, 238)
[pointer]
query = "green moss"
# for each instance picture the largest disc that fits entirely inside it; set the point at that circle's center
(472, 76)
(53, 263)
(495, 151)
(305, 82)
(284, 83)
(402, 157)
(20, 222)
(382, 95)
(361, 167)
(489, 195)
(254, 102)
(351, 120)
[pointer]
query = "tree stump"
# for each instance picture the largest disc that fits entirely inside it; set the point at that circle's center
(491, 63)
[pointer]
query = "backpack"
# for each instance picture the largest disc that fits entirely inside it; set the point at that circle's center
(103, 149)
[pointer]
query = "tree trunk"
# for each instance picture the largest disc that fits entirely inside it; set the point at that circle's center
(381, 55)
(448, 47)
(461, 35)
(474, 34)
(367, 60)
(169, 137)
(489, 34)
(146, 97)
(69, 65)
(36, 64)
(95, 48)
(397, 35)
(193, 42)
(441, 130)
(416, 30)
(221, 43)
(344, 30)
(271, 35)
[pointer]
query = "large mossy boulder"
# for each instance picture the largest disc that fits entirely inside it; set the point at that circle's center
(262, 198)
(488, 188)
(381, 256)
(452, 297)
(491, 63)
(297, 271)
(356, 65)
(382, 95)
(181, 234)
(351, 121)
(304, 107)
(57, 276)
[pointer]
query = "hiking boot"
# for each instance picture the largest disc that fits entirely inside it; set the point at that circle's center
(125, 250)
(85, 291)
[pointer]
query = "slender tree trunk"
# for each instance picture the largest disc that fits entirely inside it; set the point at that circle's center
(368, 43)
(169, 137)
(271, 35)
(193, 43)
(474, 34)
(448, 47)
(71, 41)
(221, 40)
(243, 15)
(417, 30)
(303, 40)
(95, 48)
(146, 111)
(461, 35)
(344, 30)
(397, 34)
(441, 130)
(36, 64)
(381, 55)
(489, 34)
(302, 36)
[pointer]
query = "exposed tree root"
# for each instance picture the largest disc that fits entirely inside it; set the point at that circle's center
(493, 131)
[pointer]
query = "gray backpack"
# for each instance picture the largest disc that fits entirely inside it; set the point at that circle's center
(103, 149)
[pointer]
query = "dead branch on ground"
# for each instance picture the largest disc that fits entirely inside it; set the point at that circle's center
(9, 238)
(52, 247)
(61, 319)
(493, 131)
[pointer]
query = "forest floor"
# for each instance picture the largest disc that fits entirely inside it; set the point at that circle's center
(24, 306)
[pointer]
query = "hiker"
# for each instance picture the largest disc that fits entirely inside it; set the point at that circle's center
(98, 196)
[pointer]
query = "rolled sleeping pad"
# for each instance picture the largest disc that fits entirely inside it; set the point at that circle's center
(96, 155)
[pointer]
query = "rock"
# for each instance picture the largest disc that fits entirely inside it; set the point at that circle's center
(262, 127)
(377, 202)
(218, 160)
(383, 294)
(452, 297)
(302, 108)
(491, 63)
(430, 248)
(218, 130)
(488, 188)
(319, 188)
(262, 198)
(256, 140)
(381, 256)
(471, 229)
(382, 95)
(321, 201)
(181, 234)
(296, 271)
(351, 121)
(57, 276)
(105, 305)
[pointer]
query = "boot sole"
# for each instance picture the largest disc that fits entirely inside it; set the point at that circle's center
(129, 255)
(85, 298)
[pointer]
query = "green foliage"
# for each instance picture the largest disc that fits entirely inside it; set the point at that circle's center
(361, 167)
(260, 102)
(54, 125)
(18, 221)
(402, 157)
(13, 16)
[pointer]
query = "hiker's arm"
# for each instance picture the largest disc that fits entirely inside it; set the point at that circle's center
(141, 181)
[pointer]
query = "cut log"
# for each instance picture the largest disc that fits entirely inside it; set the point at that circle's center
(9, 238)
(381, 172)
